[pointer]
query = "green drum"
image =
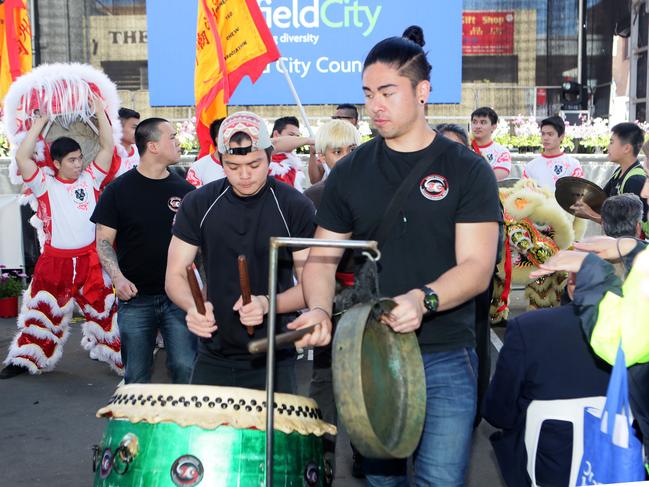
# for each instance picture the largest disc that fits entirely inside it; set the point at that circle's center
(178, 435)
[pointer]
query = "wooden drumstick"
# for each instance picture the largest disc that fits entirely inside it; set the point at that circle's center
(244, 282)
(281, 340)
(196, 290)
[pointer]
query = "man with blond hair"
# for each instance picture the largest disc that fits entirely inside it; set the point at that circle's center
(333, 141)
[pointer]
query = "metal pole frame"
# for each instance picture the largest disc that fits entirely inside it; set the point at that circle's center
(298, 102)
(275, 244)
(634, 54)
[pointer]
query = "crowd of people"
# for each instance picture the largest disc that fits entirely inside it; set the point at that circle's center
(121, 233)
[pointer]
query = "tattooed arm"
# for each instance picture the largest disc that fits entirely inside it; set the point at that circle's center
(124, 288)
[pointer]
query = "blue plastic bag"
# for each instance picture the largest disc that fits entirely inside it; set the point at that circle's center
(612, 451)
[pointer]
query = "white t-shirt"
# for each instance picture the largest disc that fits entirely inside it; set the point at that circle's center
(65, 206)
(128, 159)
(497, 156)
(545, 170)
(205, 170)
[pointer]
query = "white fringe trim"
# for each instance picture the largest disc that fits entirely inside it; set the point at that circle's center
(23, 362)
(95, 332)
(45, 333)
(35, 353)
(45, 297)
(103, 353)
(95, 338)
(109, 301)
(69, 84)
(293, 160)
(279, 168)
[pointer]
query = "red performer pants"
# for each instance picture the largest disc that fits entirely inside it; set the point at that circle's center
(63, 278)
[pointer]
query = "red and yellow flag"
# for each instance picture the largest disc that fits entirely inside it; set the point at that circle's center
(15, 43)
(232, 41)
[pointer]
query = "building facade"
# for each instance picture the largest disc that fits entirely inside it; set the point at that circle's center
(516, 53)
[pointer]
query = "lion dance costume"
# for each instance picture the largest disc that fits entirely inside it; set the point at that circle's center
(68, 273)
(286, 167)
(536, 228)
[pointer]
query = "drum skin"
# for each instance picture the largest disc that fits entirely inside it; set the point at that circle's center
(161, 435)
(172, 455)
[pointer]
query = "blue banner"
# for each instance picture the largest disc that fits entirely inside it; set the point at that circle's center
(323, 44)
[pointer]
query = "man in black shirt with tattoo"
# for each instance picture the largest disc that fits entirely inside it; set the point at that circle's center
(235, 216)
(134, 217)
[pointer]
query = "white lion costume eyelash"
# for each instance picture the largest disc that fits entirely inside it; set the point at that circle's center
(63, 92)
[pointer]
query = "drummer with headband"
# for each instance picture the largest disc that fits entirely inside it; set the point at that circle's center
(236, 216)
(626, 141)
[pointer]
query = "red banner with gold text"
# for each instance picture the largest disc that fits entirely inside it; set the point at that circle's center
(232, 41)
(15, 43)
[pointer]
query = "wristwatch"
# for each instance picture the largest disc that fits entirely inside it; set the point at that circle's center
(431, 300)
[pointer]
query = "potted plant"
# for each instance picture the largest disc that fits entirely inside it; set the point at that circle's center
(595, 137)
(186, 135)
(11, 287)
(527, 134)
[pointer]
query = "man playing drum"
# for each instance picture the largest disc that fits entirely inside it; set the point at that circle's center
(236, 216)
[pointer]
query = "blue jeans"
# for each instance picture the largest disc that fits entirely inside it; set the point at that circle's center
(442, 457)
(139, 320)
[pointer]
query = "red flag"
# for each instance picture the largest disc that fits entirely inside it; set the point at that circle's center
(15, 43)
(232, 41)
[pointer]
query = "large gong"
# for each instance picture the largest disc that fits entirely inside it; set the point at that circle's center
(379, 383)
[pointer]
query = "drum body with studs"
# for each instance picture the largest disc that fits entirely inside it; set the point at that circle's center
(180, 435)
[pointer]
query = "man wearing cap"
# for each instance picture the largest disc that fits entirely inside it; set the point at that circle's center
(236, 216)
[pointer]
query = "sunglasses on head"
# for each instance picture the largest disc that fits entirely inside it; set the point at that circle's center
(240, 151)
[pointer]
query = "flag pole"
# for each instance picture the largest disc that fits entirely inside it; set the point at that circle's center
(295, 95)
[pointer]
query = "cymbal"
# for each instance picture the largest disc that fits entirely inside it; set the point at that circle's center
(569, 190)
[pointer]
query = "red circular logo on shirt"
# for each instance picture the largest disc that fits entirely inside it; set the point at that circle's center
(434, 187)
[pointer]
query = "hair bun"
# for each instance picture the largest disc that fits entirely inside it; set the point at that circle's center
(415, 34)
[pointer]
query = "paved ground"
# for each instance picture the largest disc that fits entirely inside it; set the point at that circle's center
(48, 424)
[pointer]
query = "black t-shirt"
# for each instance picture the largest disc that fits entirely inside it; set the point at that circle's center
(142, 211)
(460, 188)
(225, 226)
(633, 184)
(347, 261)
